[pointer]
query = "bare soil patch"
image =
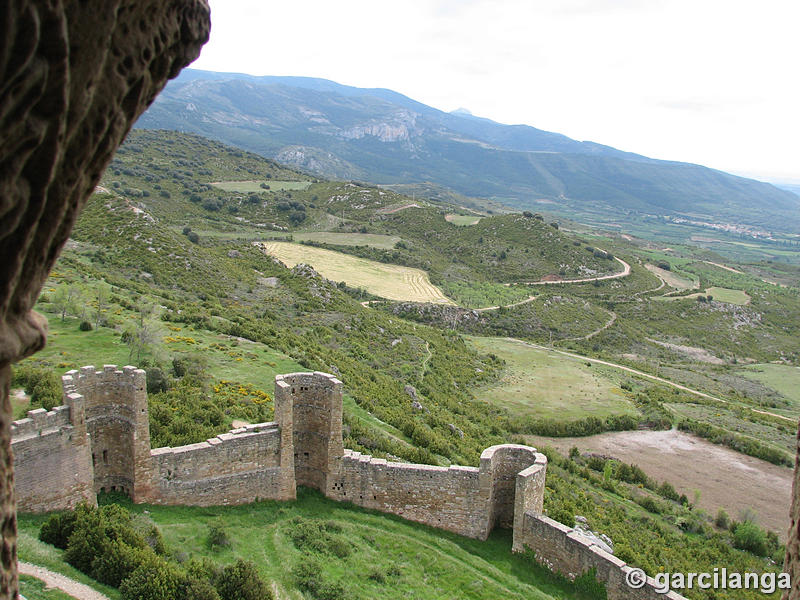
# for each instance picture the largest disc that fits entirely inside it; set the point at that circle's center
(692, 352)
(672, 279)
(726, 479)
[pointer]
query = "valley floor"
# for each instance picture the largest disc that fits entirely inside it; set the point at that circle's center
(725, 478)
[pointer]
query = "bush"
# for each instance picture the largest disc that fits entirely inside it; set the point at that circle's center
(41, 384)
(157, 380)
(217, 537)
(118, 561)
(85, 326)
(155, 581)
(47, 392)
(588, 584)
(193, 588)
(750, 537)
(241, 581)
(95, 532)
(57, 529)
(722, 521)
(309, 578)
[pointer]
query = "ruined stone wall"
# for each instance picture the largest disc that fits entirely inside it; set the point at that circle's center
(266, 461)
(315, 420)
(445, 497)
(568, 552)
(117, 421)
(52, 458)
(240, 466)
(499, 468)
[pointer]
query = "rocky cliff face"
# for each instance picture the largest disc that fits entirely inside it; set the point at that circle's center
(401, 127)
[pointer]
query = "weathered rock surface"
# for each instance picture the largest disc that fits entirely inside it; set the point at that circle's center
(74, 76)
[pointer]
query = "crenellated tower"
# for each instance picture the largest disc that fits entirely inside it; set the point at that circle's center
(117, 421)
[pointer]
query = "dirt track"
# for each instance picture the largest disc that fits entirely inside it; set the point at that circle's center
(65, 584)
(726, 479)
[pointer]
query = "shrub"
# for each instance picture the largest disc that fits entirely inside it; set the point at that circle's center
(193, 588)
(588, 584)
(155, 581)
(217, 537)
(85, 326)
(667, 490)
(157, 380)
(750, 537)
(308, 576)
(57, 529)
(241, 581)
(42, 385)
(47, 392)
(722, 521)
(118, 561)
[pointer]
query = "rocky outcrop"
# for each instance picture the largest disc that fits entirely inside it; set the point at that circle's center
(74, 76)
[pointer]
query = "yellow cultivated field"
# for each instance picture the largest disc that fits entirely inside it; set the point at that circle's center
(387, 281)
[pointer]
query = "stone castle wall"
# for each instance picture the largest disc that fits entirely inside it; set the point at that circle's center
(52, 454)
(311, 408)
(444, 497)
(117, 421)
(240, 466)
(100, 440)
(566, 550)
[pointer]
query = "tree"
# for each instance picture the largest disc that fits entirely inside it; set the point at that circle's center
(64, 299)
(102, 292)
(144, 337)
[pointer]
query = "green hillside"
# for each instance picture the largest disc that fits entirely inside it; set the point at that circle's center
(162, 271)
(384, 137)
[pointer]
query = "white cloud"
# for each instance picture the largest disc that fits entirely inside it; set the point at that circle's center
(707, 81)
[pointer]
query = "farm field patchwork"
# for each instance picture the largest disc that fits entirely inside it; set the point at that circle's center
(387, 281)
(549, 385)
(673, 279)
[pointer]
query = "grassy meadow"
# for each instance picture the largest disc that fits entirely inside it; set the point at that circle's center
(546, 384)
(365, 553)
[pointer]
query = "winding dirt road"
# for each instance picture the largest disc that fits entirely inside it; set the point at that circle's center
(69, 586)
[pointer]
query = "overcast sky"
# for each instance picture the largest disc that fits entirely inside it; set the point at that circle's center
(715, 82)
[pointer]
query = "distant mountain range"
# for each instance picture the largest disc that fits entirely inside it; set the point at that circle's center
(381, 136)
